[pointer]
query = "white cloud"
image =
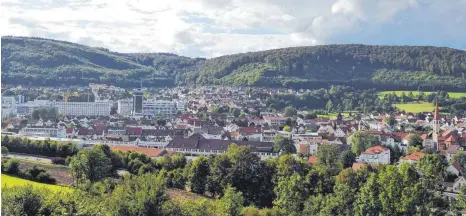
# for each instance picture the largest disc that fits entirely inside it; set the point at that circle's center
(216, 27)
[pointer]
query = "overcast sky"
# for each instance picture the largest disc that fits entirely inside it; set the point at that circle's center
(209, 28)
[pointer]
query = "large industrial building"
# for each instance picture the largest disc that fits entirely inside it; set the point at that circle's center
(100, 108)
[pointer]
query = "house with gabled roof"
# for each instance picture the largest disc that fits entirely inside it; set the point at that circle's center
(455, 169)
(413, 158)
(376, 155)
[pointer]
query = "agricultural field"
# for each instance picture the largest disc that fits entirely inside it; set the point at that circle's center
(416, 107)
(14, 181)
(415, 93)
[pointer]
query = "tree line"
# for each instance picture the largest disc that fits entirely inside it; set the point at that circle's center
(45, 147)
(333, 99)
(243, 184)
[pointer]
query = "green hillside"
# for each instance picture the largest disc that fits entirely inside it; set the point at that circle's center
(36, 61)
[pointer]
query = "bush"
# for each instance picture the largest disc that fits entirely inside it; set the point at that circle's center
(45, 177)
(12, 166)
(68, 160)
(21, 200)
(5, 151)
(37, 174)
(59, 160)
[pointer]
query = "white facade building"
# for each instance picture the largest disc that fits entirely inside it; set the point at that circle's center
(29, 107)
(376, 155)
(181, 106)
(43, 132)
(275, 120)
(125, 107)
(83, 108)
(162, 108)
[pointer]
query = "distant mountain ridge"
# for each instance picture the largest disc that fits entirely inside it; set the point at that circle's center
(38, 61)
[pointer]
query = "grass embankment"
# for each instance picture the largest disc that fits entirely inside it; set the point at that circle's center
(15, 181)
(415, 93)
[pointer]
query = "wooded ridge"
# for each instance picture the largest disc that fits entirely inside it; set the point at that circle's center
(38, 61)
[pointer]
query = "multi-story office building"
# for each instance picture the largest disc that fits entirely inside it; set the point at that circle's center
(159, 108)
(125, 107)
(43, 132)
(181, 105)
(8, 107)
(8, 102)
(83, 108)
(19, 99)
(138, 98)
(29, 107)
(100, 108)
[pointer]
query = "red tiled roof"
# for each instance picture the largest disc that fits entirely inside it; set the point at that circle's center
(312, 160)
(357, 166)
(375, 150)
(415, 156)
(424, 136)
(450, 139)
(181, 126)
(315, 140)
(250, 130)
(303, 148)
(134, 130)
(275, 118)
(83, 131)
(449, 132)
(151, 152)
(401, 135)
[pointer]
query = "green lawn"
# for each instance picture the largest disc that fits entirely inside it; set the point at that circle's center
(333, 116)
(450, 94)
(14, 181)
(416, 107)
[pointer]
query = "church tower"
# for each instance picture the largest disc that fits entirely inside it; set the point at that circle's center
(436, 125)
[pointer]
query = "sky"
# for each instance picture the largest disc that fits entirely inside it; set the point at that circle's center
(211, 28)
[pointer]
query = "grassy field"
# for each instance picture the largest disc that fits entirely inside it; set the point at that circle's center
(416, 107)
(333, 116)
(14, 181)
(415, 93)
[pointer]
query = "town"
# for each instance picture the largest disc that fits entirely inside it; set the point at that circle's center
(206, 120)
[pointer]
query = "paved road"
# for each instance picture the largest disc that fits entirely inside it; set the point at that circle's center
(30, 157)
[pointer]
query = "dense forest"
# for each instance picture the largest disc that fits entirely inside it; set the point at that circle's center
(37, 61)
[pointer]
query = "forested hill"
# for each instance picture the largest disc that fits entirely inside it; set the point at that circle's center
(37, 61)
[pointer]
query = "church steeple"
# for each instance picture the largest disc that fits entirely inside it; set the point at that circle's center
(436, 126)
(437, 113)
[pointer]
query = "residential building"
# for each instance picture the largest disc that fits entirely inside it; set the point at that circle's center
(459, 182)
(455, 169)
(413, 158)
(197, 147)
(275, 120)
(376, 155)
